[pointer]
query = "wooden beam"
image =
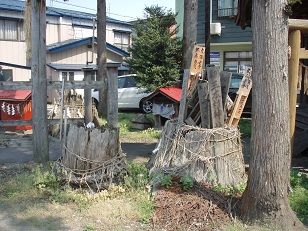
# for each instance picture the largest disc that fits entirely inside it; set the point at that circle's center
(303, 53)
(27, 85)
(4, 123)
(225, 79)
(39, 81)
(112, 99)
(88, 117)
(294, 43)
(204, 102)
(241, 98)
(182, 110)
(298, 24)
(215, 97)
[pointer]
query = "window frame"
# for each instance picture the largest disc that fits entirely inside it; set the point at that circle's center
(123, 46)
(237, 59)
(231, 12)
(19, 24)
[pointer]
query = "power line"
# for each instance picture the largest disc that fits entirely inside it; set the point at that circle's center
(91, 9)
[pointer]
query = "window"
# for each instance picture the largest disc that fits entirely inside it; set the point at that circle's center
(121, 82)
(130, 82)
(68, 76)
(8, 30)
(227, 8)
(237, 61)
(6, 74)
(121, 39)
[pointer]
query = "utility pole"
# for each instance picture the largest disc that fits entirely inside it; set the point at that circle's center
(102, 56)
(207, 31)
(189, 30)
(39, 81)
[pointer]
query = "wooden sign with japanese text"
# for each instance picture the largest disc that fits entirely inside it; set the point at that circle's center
(241, 98)
(197, 60)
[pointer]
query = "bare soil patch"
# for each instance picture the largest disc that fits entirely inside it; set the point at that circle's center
(199, 208)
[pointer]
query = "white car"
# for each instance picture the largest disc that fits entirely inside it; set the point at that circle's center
(129, 95)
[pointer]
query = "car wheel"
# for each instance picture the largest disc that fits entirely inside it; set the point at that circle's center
(146, 106)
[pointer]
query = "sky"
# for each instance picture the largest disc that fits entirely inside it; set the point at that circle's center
(126, 10)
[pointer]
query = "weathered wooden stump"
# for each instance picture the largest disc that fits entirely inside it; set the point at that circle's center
(92, 156)
(208, 155)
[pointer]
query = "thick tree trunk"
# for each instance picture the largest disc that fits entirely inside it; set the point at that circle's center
(190, 30)
(102, 56)
(266, 195)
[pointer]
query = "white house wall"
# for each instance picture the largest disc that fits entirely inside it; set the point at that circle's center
(57, 29)
(80, 55)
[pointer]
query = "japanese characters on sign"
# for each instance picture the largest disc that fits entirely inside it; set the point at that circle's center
(197, 60)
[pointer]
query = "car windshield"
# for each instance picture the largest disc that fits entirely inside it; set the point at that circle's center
(126, 82)
(235, 83)
(121, 82)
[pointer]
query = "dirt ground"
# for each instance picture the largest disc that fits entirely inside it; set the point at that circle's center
(199, 208)
(16, 147)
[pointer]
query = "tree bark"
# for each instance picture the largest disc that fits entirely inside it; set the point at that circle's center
(190, 30)
(102, 56)
(266, 196)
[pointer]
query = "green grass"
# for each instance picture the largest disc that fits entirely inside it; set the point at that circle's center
(128, 134)
(35, 198)
(299, 196)
(245, 127)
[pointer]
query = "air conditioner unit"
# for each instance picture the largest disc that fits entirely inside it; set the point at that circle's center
(216, 28)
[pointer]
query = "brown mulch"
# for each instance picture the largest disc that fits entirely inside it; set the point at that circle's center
(200, 208)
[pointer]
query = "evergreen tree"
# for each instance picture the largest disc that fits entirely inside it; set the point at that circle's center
(156, 52)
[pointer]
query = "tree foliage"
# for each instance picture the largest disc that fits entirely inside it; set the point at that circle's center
(156, 52)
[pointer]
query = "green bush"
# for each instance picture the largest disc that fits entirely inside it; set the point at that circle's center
(137, 176)
(299, 196)
(164, 180)
(187, 182)
(230, 190)
(44, 178)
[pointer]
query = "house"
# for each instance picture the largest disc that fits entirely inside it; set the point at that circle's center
(70, 36)
(231, 47)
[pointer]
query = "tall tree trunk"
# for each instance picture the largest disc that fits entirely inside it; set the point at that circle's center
(102, 56)
(266, 195)
(190, 30)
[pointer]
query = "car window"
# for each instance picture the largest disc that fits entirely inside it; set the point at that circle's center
(130, 82)
(121, 82)
(235, 83)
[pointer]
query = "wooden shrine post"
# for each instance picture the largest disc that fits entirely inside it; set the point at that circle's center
(112, 99)
(39, 81)
(241, 98)
(88, 116)
(294, 43)
(215, 97)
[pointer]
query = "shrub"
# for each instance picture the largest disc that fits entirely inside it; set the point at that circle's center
(137, 176)
(187, 182)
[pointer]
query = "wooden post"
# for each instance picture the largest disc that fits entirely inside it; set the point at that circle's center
(182, 110)
(294, 43)
(39, 81)
(225, 80)
(241, 98)
(102, 56)
(87, 99)
(189, 30)
(112, 99)
(62, 107)
(204, 102)
(215, 97)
